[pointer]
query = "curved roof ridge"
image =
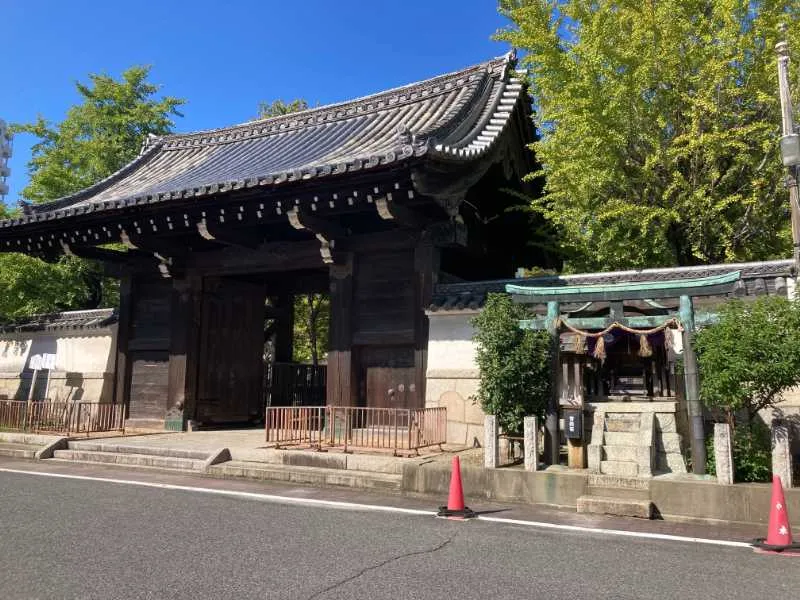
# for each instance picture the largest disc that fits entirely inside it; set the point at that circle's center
(497, 65)
(147, 153)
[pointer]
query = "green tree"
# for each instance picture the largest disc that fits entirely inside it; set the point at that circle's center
(660, 124)
(311, 327)
(751, 356)
(276, 108)
(100, 134)
(514, 364)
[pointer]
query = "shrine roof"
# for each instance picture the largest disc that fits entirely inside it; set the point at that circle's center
(756, 278)
(454, 117)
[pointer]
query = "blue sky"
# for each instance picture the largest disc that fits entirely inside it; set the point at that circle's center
(225, 57)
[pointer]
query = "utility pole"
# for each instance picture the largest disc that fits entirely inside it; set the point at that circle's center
(5, 154)
(790, 145)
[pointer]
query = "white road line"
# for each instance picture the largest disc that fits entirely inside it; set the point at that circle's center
(378, 508)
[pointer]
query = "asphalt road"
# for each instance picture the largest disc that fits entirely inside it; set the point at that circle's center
(80, 539)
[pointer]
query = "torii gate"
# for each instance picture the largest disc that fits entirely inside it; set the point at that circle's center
(615, 295)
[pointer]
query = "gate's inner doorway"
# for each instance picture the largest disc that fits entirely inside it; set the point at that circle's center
(263, 340)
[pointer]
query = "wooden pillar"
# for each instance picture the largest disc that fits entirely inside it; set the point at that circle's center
(284, 327)
(551, 438)
(342, 380)
(426, 265)
(185, 324)
(692, 383)
(122, 379)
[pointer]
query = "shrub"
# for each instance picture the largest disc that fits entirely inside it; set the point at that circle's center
(751, 356)
(514, 364)
(752, 453)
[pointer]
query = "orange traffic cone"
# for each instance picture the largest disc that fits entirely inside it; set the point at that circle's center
(455, 508)
(779, 534)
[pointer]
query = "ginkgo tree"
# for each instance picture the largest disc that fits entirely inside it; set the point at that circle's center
(100, 134)
(659, 127)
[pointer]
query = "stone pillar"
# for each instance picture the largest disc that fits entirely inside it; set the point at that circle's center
(491, 450)
(723, 453)
(596, 445)
(781, 452)
(645, 453)
(531, 428)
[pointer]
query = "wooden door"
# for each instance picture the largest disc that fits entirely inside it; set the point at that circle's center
(231, 361)
(388, 378)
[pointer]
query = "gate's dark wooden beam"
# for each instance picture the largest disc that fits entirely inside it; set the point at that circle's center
(228, 237)
(325, 231)
(113, 257)
(389, 210)
(161, 249)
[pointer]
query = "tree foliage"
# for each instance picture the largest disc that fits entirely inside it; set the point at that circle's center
(514, 364)
(751, 356)
(660, 124)
(277, 108)
(100, 134)
(311, 327)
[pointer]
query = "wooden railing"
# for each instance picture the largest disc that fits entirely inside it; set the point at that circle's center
(61, 417)
(395, 429)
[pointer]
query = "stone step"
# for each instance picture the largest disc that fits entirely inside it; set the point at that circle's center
(618, 492)
(99, 446)
(307, 475)
(616, 467)
(615, 481)
(129, 459)
(13, 450)
(617, 438)
(668, 442)
(623, 425)
(622, 507)
(670, 462)
(620, 453)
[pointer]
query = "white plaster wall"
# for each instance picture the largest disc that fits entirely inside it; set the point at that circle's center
(91, 357)
(14, 354)
(450, 345)
(85, 354)
(452, 376)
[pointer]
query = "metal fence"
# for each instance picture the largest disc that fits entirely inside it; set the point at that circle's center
(295, 384)
(61, 417)
(395, 429)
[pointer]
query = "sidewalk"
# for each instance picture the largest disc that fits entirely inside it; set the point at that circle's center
(243, 454)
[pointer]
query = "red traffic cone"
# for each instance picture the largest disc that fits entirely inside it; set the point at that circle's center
(779, 534)
(455, 508)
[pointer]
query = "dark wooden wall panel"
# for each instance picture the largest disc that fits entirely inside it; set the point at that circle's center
(149, 379)
(148, 348)
(384, 298)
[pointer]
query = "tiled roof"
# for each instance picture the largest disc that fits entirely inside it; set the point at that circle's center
(70, 320)
(757, 278)
(453, 117)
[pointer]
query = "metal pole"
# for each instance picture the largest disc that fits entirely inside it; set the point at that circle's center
(552, 444)
(692, 382)
(782, 50)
